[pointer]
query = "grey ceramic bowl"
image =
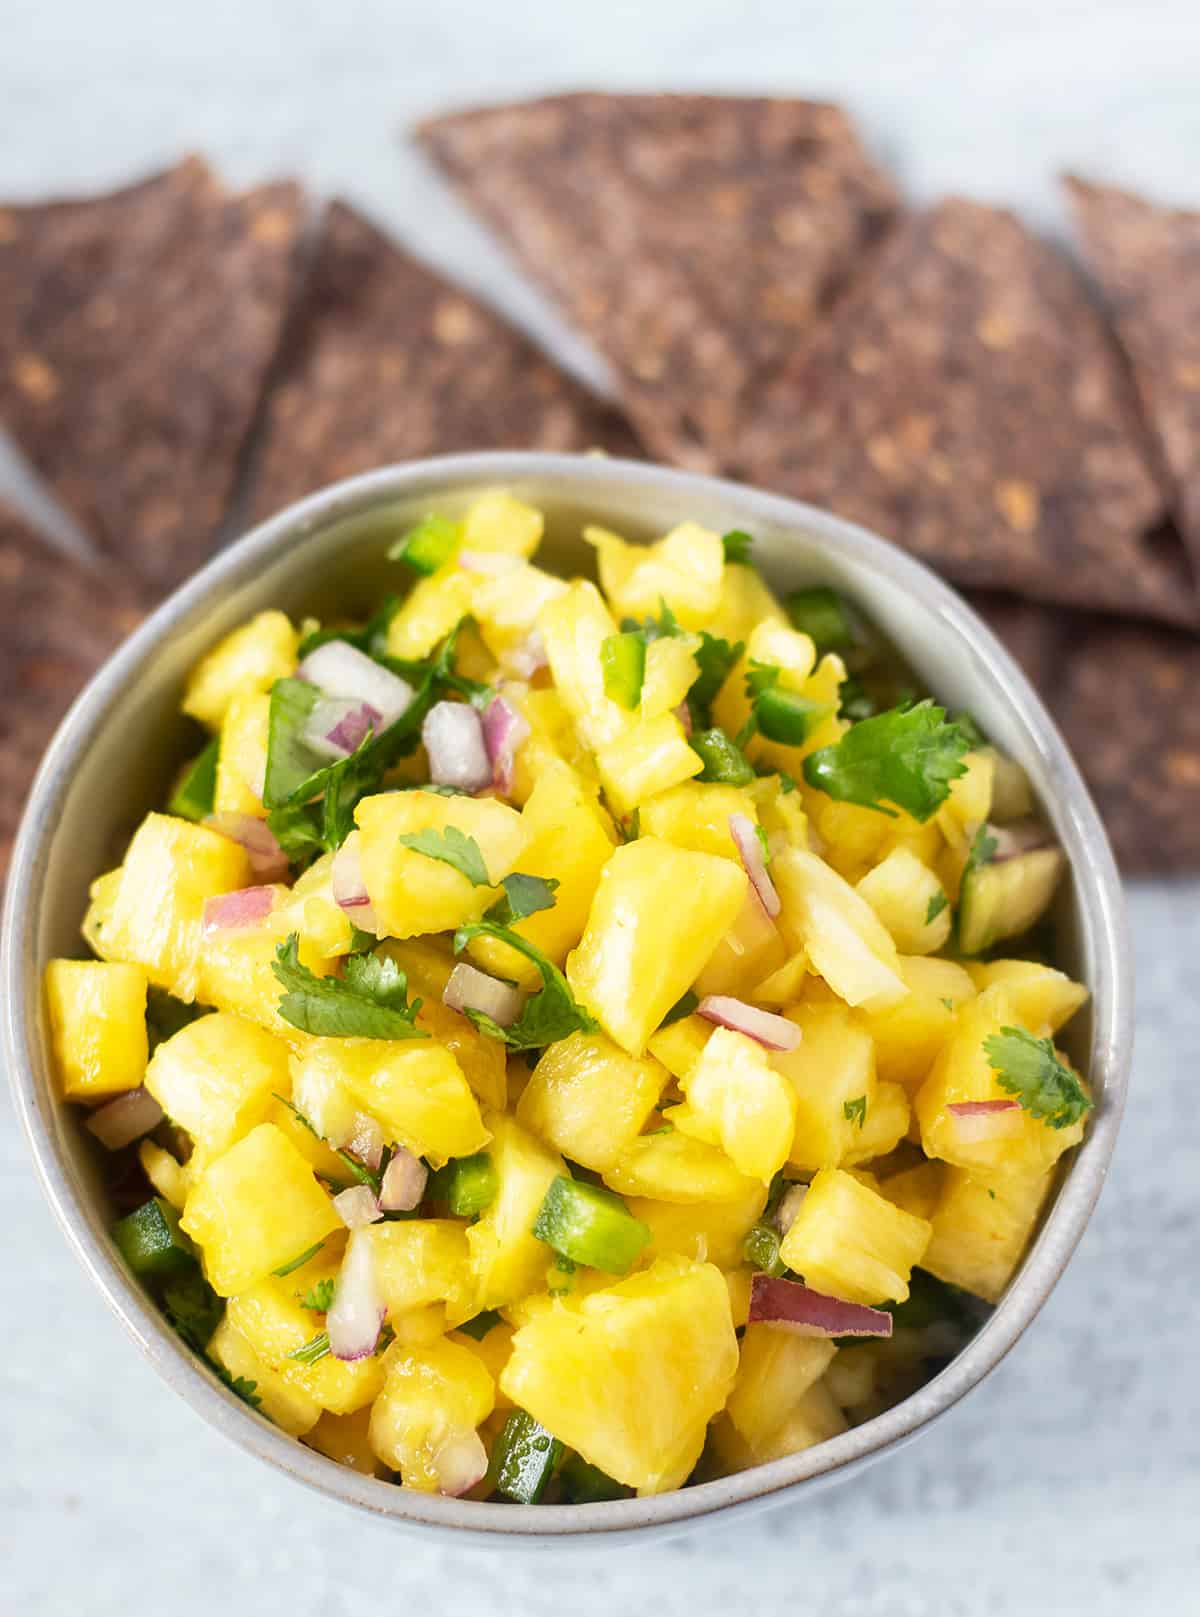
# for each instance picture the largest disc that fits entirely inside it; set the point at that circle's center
(121, 742)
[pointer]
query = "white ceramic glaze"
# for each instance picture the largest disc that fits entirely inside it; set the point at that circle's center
(118, 747)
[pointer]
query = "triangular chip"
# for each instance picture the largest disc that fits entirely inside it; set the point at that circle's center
(692, 238)
(1147, 260)
(965, 401)
(62, 618)
(386, 361)
(136, 330)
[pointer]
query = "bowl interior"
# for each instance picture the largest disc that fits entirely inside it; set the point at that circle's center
(119, 748)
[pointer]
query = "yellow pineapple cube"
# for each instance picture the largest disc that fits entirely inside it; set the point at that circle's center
(785, 985)
(775, 1370)
(970, 801)
(647, 758)
(234, 966)
(167, 1176)
(904, 893)
(750, 952)
(310, 910)
(632, 1376)
(414, 1089)
(846, 943)
(493, 1350)
(816, 1419)
(746, 601)
(1042, 999)
(345, 1438)
(670, 672)
(681, 1043)
(419, 1261)
(674, 1167)
(854, 838)
(736, 1100)
(590, 1100)
(910, 1036)
(696, 814)
(684, 569)
(507, 606)
(574, 627)
(242, 759)
(552, 740)
(216, 1078)
(97, 1014)
(830, 1070)
(780, 811)
(658, 914)
(981, 1227)
(507, 1260)
(413, 893)
(707, 1232)
(427, 966)
(430, 612)
(775, 645)
(319, 1156)
(917, 1190)
(272, 1319)
(498, 521)
(850, 1242)
(434, 1397)
(254, 1208)
(250, 659)
(962, 1073)
(884, 1125)
(293, 1410)
(153, 912)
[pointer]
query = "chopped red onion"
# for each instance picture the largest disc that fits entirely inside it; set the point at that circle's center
(526, 659)
(684, 714)
(489, 561)
(459, 1464)
(470, 990)
(977, 1121)
(357, 1206)
(789, 1205)
(404, 1181)
(355, 1318)
(366, 1140)
(247, 906)
(267, 859)
(338, 725)
(453, 737)
(340, 669)
(745, 834)
(349, 889)
(774, 1032)
(125, 1119)
(504, 730)
(812, 1313)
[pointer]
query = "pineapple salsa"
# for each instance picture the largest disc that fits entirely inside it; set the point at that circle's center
(559, 1041)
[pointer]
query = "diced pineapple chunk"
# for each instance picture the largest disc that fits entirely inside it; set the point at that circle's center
(216, 1077)
(508, 605)
(498, 521)
(746, 601)
(493, 1350)
(752, 950)
(574, 627)
(242, 759)
(414, 1089)
(885, 1124)
(272, 1319)
(737, 1101)
(658, 914)
(507, 1260)
(647, 758)
(854, 838)
(166, 1175)
(910, 901)
(711, 1232)
(981, 1227)
(419, 1261)
(590, 1100)
(153, 906)
(696, 814)
(1025, 1146)
(909, 1036)
(433, 1397)
(234, 967)
(674, 1167)
(345, 1438)
(293, 1410)
(775, 645)
(310, 910)
(851, 1242)
(1042, 999)
(970, 801)
(254, 1208)
(432, 610)
(845, 942)
(775, 1370)
(632, 1376)
(816, 1419)
(680, 1044)
(413, 893)
(428, 966)
(831, 1068)
(917, 1190)
(250, 659)
(97, 1015)
(670, 672)
(552, 740)
(784, 986)
(684, 569)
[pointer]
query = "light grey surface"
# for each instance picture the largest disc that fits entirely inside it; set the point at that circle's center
(1071, 1482)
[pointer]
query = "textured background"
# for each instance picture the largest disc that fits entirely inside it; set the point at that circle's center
(1071, 1482)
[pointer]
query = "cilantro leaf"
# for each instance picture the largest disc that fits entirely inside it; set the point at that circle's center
(737, 546)
(665, 626)
(855, 1111)
(246, 1390)
(480, 1325)
(907, 756)
(683, 1006)
(523, 896)
(716, 659)
(312, 1352)
(982, 850)
(1031, 1069)
(936, 905)
(369, 1002)
(450, 847)
(297, 1263)
(547, 1016)
(193, 797)
(320, 1299)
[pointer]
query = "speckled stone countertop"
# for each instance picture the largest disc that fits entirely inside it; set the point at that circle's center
(1070, 1482)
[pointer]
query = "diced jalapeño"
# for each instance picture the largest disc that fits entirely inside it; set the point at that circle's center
(195, 794)
(584, 1484)
(623, 658)
(821, 614)
(724, 761)
(788, 717)
(428, 546)
(591, 1226)
(150, 1240)
(524, 1459)
(467, 1185)
(761, 1250)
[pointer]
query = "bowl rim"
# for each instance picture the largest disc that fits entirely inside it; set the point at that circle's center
(586, 479)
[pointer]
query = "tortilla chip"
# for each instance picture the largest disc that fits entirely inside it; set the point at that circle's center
(693, 238)
(1122, 694)
(136, 330)
(386, 361)
(965, 400)
(62, 619)
(1147, 261)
